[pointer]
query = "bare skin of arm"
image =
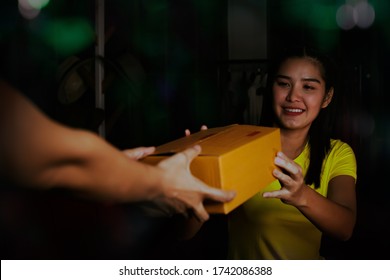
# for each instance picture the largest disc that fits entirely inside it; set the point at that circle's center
(38, 152)
(334, 215)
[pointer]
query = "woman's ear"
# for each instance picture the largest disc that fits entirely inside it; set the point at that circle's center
(328, 98)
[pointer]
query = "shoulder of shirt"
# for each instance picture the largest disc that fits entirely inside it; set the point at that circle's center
(336, 142)
(339, 145)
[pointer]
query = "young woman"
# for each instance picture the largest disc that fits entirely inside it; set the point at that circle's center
(314, 193)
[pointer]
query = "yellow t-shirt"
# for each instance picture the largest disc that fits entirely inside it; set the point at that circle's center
(266, 228)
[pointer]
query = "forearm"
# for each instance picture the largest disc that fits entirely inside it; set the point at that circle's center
(84, 163)
(332, 218)
(38, 152)
(90, 165)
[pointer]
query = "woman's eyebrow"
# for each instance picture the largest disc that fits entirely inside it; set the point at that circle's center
(311, 80)
(282, 76)
(303, 79)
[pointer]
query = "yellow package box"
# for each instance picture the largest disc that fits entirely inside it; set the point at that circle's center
(234, 157)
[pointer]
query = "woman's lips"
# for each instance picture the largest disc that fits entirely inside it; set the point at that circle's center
(293, 111)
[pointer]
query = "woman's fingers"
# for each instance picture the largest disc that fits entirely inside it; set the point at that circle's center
(287, 164)
(187, 132)
(276, 194)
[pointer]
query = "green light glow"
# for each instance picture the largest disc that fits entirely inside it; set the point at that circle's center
(68, 36)
(323, 16)
(316, 14)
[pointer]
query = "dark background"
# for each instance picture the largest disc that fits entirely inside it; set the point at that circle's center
(179, 79)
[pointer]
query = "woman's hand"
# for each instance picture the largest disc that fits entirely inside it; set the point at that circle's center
(291, 179)
(187, 132)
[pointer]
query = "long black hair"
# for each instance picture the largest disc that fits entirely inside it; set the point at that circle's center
(322, 127)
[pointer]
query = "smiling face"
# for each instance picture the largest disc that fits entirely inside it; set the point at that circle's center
(299, 93)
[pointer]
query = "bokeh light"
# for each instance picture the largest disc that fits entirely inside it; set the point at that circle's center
(27, 11)
(356, 13)
(346, 17)
(30, 9)
(37, 4)
(69, 35)
(365, 15)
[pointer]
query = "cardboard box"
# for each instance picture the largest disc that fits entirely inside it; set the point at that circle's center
(234, 157)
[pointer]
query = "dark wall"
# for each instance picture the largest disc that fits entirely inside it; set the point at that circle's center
(178, 44)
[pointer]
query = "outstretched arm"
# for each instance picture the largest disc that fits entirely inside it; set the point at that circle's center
(334, 215)
(38, 152)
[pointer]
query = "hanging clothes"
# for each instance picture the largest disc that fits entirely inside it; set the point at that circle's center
(252, 114)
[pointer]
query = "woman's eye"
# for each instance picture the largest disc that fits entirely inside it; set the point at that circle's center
(282, 84)
(308, 87)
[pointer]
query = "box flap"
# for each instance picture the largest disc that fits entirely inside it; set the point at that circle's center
(216, 141)
(183, 143)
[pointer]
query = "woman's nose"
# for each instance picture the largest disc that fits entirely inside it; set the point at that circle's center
(294, 94)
